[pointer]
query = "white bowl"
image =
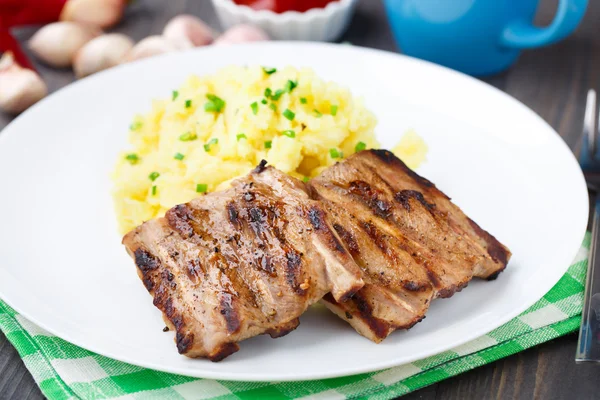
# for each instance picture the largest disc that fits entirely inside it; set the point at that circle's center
(318, 24)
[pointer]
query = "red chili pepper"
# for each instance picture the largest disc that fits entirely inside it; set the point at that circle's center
(15, 13)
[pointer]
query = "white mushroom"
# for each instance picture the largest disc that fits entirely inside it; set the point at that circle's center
(242, 34)
(101, 53)
(19, 87)
(189, 30)
(57, 43)
(151, 46)
(100, 13)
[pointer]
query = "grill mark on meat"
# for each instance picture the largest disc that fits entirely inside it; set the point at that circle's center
(194, 267)
(257, 220)
(449, 291)
(494, 248)
(161, 295)
(184, 341)
(376, 236)
(378, 326)
(266, 228)
(266, 264)
(433, 277)
(232, 214)
(225, 350)
(315, 216)
(389, 158)
(229, 312)
(348, 239)
(179, 219)
(292, 270)
(317, 219)
(283, 329)
(171, 312)
(379, 239)
(411, 323)
(265, 224)
(147, 264)
(371, 197)
(412, 247)
(403, 197)
(414, 286)
(260, 167)
(145, 261)
(493, 276)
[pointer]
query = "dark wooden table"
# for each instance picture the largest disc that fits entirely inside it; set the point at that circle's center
(552, 81)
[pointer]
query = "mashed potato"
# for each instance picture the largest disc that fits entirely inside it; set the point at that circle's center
(218, 127)
(411, 149)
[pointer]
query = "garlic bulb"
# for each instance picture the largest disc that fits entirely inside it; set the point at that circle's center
(100, 13)
(188, 30)
(242, 34)
(57, 43)
(151, 46)
(100, 53)
(19, 87)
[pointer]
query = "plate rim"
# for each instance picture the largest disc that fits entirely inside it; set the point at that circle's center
(346, 371)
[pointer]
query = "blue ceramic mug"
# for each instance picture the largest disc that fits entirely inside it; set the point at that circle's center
(478, 37)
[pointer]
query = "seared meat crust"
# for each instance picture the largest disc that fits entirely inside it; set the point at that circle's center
(411, 241)
(242, 262)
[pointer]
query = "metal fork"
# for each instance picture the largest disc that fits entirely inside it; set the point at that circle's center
(588, 346)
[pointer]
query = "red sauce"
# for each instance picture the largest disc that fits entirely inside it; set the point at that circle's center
(281, 6)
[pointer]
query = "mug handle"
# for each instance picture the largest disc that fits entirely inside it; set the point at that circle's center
(523, 35)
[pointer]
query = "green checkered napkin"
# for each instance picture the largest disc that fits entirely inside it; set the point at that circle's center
(65, 371)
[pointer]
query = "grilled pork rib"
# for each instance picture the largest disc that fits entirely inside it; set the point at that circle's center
(411, 241)
(242, 262)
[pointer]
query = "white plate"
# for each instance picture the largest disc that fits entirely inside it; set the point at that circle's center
(62, 265)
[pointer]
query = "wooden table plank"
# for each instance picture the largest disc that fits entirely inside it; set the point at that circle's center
(552, 81)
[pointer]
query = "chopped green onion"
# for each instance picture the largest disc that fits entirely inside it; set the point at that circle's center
(188, 103)
(360, 146)
(334, 110)
(188, 137)
(153, 176)
(290, 85)
(135, 126)
(273, 107)
(289, 114)
(240, 136)
(175, 94)
(269, 71)
(201, 188)
(305, 179)
(289, 133)
(132, 158)
(254, 107)
(210, 143)
(264, 101)
(268, 92)
(214, 104)
(154, 190)
(303, 100)
(334, 153)
(178, 156)
(268, 144)
(317, 113)
(277, 95)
